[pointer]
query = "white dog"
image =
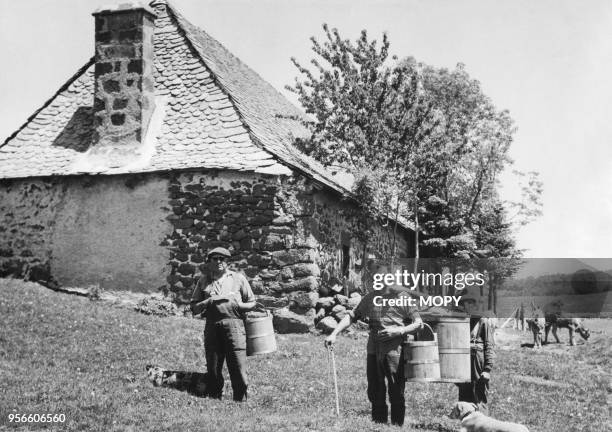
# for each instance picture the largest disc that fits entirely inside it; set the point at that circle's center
(475, 421)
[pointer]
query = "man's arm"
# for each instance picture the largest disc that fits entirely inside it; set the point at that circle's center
(199, 303)
(412, 328)
(342, 325)
(246, 299)
(488, 345)
(200, 307)
(397, 331)
(246, 306)
(361, 311)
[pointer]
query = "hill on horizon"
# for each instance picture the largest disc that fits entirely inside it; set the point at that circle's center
(534, 267)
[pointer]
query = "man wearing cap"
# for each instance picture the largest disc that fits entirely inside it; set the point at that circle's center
(482, 357)
(223, 296)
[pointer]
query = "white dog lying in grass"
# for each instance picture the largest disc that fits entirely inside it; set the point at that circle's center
(475, 421)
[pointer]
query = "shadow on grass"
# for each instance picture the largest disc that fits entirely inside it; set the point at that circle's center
(194, 383)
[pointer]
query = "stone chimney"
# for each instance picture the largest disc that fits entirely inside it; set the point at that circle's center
(124, 88)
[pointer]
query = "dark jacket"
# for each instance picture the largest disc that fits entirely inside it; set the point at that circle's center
(483, 341)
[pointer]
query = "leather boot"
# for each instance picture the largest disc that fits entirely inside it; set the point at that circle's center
(240, 395)
(397, 414)
(380, 413)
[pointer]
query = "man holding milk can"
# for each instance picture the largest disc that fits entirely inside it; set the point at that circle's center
(223, 297)
(389, 324)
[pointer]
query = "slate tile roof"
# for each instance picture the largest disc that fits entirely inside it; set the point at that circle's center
(214, 113)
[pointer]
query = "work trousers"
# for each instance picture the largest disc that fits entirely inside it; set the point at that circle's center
(226, 340)
(476, 391)
(385, 371)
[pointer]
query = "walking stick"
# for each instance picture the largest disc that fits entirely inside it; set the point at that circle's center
(333, 359)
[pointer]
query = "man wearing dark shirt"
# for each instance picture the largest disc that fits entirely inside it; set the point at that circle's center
(482, 357)
(389, 324)
(223, 296)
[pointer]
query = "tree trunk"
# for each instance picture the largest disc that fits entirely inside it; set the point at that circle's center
(416, 240)
(364, 267)
(394, 243)
(495, 301)
(493, 280)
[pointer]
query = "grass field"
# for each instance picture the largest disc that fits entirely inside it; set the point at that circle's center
(66, 354)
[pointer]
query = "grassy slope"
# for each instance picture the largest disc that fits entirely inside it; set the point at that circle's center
(66, 354)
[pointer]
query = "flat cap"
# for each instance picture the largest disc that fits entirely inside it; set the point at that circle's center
(219, 251)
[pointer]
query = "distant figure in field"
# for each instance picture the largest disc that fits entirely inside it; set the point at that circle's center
(555, 321)
(537, 323)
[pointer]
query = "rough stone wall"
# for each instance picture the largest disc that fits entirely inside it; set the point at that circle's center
(230, 209)
(285, 233)
(326, 223)
(78, 231)
(27, 214)
(322, 223)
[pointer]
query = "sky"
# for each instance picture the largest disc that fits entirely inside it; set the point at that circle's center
(548, 62)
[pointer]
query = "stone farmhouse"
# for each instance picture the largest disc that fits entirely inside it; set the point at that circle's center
(161, 147)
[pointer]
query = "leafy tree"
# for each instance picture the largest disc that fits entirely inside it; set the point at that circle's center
(369, 117)
(348, 101)
(423, 143)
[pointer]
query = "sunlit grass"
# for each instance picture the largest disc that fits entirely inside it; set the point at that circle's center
(86, 359)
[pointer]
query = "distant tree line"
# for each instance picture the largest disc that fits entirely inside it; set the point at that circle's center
(580, 282)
